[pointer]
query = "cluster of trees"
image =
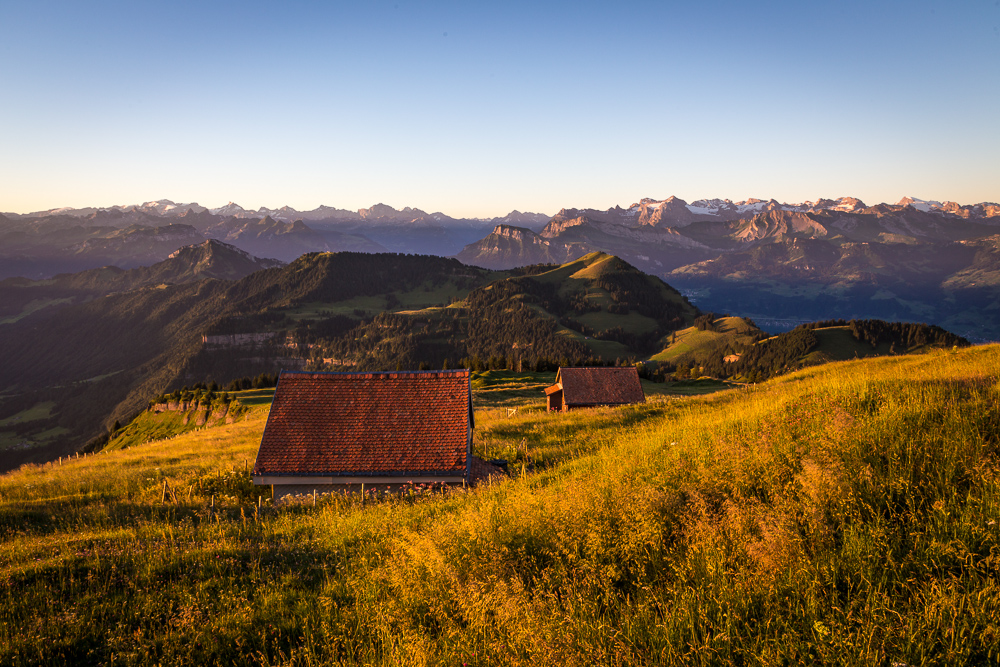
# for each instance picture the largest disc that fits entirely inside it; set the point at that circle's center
(198, 394)
(262, 381)
(311, 331)
(250, 323)
(705, 322)
(759, 360)
(389, 341)
(580, 304)
(775, 356)
(495, 328)
(647, 295)
(525, 289)
(650, 341)
(541, 364)
(210, 393)
(532, 270)
(324, 277)
(901, 336)
(762, 359)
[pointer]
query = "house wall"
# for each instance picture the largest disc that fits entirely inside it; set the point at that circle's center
(287, 492)
(584, 406)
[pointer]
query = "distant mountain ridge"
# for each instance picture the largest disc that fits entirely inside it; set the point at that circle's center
(714, 208)
(915, 259)
(168, 209)
(209, 259)
(40, 244)
(663, 235)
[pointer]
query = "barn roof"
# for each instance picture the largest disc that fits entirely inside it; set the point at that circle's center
(608, 385)
(398, 423)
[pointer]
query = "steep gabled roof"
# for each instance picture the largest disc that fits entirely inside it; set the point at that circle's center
(399, 423)
(600, 385)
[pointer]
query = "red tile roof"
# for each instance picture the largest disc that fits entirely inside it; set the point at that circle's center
(399, 423)
(608, 385)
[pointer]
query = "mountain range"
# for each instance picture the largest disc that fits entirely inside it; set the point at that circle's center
(780, 263)
(786, 264)
(167, 208)
(662, 235)
(43, 243)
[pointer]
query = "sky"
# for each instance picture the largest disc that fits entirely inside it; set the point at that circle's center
(475, 109)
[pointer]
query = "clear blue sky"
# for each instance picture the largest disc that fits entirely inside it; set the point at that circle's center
(474, 109)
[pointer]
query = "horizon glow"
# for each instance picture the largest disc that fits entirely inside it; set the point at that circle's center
(474, 111)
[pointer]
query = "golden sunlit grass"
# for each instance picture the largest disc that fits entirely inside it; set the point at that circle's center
(844, 514)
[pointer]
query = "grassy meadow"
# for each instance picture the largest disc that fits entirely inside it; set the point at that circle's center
(844, 514)
(692, 344)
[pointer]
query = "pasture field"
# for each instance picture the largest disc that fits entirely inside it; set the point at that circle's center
(843, 514)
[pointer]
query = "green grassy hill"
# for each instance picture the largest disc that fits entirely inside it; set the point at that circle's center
(838, 344)
(733, 348)
(843, 514)
(157, 423)
(822, 342)
(694, 345)
(598, 304)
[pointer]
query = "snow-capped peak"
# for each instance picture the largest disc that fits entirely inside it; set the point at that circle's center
(232, 208)
(920, 204)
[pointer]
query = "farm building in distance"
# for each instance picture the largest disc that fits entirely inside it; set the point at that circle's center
(336, 431)
(590, 387)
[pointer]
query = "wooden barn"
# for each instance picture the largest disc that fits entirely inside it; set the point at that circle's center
(590, 387)
(335, 431)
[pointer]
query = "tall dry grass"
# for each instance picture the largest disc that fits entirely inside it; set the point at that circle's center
(844, 514)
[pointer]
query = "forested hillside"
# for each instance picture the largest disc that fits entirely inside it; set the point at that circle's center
(734, 348)
(595, 309)
(99, 358)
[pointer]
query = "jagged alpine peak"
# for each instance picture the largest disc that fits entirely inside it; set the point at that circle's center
(230, 209)
(920, 204)
(165, 207)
